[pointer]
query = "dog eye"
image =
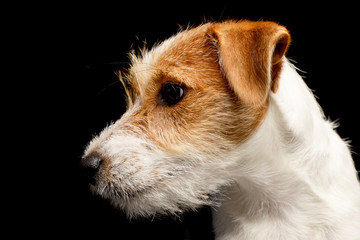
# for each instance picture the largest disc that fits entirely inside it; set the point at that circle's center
(171, 94)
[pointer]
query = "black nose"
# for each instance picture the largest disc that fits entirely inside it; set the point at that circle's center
(90, 166)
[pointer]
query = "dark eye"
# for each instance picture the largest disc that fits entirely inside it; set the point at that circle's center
(171, 94)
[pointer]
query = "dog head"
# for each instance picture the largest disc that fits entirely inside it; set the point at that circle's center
(192, 101)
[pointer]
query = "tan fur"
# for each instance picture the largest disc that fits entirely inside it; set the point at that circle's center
(251, 54)
(224, 71)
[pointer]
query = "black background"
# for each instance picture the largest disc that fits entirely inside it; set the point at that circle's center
(62, 61)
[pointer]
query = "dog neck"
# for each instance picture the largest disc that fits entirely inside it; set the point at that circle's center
(292, 173)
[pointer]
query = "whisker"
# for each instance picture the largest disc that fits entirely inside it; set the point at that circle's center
(107, 87)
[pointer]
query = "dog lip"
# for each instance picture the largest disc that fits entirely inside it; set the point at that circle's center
(109, 192)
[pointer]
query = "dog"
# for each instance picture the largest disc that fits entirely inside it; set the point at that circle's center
(217, 115)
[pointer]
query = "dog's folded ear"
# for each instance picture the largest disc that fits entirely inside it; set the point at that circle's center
(251, 56)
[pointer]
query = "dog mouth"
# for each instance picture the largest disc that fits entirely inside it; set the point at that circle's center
(146, 191)
(157, 197)
(120, 192)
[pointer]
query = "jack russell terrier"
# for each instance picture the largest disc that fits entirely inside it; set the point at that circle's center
(217, 116)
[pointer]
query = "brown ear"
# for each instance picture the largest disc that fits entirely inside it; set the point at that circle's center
(250, 55)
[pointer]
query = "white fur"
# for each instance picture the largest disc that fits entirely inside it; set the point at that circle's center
(298, 179)
(293, 179)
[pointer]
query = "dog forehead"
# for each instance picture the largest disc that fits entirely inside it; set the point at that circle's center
(188, 57)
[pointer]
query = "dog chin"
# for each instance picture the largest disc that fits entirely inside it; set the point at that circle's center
(156, 200)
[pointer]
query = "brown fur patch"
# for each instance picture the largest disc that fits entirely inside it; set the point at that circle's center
(227, 68)
(251, 56)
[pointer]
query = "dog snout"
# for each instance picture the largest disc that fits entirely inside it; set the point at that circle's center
(90, 166)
